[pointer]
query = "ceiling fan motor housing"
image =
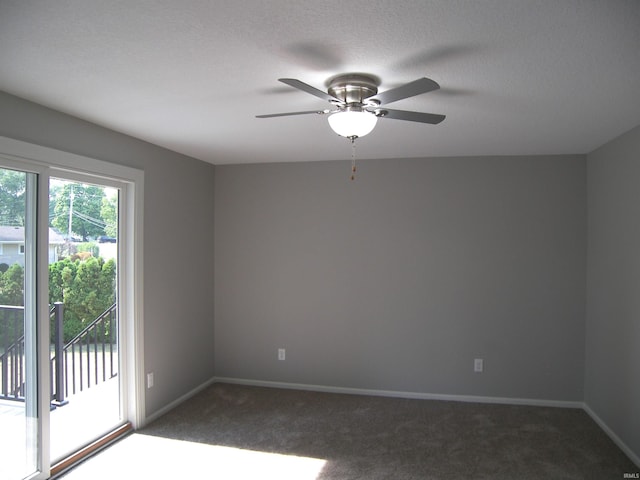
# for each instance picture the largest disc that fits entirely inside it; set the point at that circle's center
(353, 90)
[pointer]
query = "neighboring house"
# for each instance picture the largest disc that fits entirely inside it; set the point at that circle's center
(12, 245)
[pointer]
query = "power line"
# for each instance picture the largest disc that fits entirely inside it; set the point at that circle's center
(90, 220)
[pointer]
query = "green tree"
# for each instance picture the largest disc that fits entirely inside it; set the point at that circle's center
(109, 213)
(61, 275)
(12, 201)
(87, 288)
(12, 286)
(87, 203)
(54, 191)
(11, 293)
(90, 293)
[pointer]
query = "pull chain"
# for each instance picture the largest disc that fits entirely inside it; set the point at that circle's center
(353, 158)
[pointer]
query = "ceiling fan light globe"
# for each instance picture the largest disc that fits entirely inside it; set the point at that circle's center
(352, 124)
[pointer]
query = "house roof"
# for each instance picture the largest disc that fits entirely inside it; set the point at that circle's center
(516, 77)
(16, 235)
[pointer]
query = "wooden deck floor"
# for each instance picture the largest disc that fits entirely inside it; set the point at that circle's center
(88, 415)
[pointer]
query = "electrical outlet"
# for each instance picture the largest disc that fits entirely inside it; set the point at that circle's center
(478, 365)
(282, 354)
(150, 380)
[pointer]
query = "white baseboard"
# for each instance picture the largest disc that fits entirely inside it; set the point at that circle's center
(628, 452)
(157, 414)
(396, 394)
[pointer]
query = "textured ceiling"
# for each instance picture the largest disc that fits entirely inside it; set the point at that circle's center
(517, 76)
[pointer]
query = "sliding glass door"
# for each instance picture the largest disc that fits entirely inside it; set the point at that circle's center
(70, 359)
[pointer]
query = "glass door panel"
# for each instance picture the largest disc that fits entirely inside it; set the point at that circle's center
(83, 256)
(18, 366)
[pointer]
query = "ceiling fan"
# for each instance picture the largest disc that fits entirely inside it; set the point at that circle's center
(356, 103)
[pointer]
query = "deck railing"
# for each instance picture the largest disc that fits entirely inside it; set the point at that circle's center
(90, 358)
(12, 365)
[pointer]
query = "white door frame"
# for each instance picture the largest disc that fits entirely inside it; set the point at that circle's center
(51, 162)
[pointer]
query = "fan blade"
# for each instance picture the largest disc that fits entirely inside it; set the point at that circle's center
(292, 82)
(411, 89)
(320, 112)
(432, 118)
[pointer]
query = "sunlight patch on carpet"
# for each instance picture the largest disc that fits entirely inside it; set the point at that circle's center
(145, 456)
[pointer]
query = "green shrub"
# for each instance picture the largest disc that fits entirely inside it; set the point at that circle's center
(87, 289)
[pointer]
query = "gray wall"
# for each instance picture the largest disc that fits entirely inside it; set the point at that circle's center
(612, 373)
(178, 231)
(398, 280)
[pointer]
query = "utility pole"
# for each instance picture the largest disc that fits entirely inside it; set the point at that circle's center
(70, 219)
(70, 210)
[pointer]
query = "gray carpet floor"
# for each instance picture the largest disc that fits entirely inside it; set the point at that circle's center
(370, 438)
